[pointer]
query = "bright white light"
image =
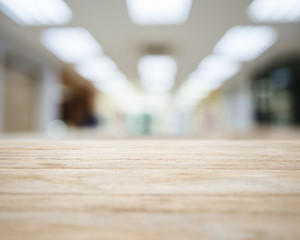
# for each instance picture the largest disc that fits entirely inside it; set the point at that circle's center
(216, 68)
(156, 101)
(70, 44)
(102, 71)
(97, 68)
(37, 12)
(203, 85)
(157, 72)
(245, 43)
(108, 86)
(126, 98)
(274, 10)
(190, 94)
(210, 74)
(152, 12)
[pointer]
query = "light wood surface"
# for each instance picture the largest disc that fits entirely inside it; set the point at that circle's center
(150, 189)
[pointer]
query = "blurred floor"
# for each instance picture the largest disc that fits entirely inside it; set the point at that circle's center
(279, 133)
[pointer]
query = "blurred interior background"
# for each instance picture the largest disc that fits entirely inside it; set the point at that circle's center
(153, 68)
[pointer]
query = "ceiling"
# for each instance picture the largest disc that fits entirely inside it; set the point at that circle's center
(125, 42)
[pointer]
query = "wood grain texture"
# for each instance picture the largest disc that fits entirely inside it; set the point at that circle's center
(150, 189)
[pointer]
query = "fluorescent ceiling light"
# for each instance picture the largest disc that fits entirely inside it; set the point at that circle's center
(203, 85)
(215, 68)
(189, 95)
(102, 71)
(152, 12)
(245, 43)
(37, 12)
(70, 44)
(108, 86)
(209, 75)
(274, 10)
(157, 72)
(97, 68)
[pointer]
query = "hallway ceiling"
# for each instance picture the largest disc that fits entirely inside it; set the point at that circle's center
(125, 42)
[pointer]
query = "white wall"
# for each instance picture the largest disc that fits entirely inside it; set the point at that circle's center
(49, 97)
(48, 87)
(2, 53)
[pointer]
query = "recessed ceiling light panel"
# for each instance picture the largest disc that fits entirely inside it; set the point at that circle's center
(37, 12)
(157, 72)
(216, 68)
(158, 12)
(245, 43)
(97, 68)
(102, 71)
(71, 45)
(274, 10)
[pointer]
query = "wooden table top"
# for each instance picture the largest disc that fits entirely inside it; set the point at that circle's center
(150, 189)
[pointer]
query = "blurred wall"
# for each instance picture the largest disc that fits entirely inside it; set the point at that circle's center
(20, 101)
(29, 90)
(2, 52)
